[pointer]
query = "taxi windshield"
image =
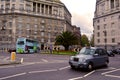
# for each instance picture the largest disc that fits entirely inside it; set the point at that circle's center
(87, 51)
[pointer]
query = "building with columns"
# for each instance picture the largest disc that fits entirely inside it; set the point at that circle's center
(41, 20)
(106, 24)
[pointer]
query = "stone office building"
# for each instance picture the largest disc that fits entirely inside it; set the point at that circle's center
(106, 24)
(41, 20)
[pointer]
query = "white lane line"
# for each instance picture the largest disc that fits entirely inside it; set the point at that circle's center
(83, 76)
(12, 76)
(44, 60)
(6, 58)
(89, 73)
(76, 78)
(64, 68)
(43, 71)
(110, 68)
(110, 71)
(2, 67)
(112, 76)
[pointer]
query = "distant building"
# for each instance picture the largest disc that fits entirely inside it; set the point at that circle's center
(42, 20)
(106, 24)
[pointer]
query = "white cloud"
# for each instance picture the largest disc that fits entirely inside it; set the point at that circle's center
(82, 14)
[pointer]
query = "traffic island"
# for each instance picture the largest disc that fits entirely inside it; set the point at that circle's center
(2, 63)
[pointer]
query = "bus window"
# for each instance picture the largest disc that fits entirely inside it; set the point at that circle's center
(20, 42)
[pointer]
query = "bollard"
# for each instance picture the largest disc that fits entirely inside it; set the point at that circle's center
(13, 56)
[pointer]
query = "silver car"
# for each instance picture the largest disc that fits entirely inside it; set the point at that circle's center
(89, 58)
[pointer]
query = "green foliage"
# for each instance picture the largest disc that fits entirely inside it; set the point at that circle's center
(84, 40)
(64, 52)
(67, 39)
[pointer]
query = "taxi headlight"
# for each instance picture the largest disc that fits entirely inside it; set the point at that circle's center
(71, 58)
(82, 60)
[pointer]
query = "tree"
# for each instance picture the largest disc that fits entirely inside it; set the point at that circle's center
(84, 40)
(67, 39)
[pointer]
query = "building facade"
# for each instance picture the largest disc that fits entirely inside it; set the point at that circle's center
(41, 20)
(106, 24)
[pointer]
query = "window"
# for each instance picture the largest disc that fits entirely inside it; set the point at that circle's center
(20, 25)
(113, 40)
(105, 26)
(101, 52)
(98, 27)
(113, 33)
(21, 7)
(13, 6)
(28, 26)
(98, 40)
(112, 25)
(42, 40)
(20, 19)
(35, 27)
(2, 6)
(10, 23)
(105, 40)
(98, 21)
(117, 3)
(104, 19)
(112, 4)
(105, 33)
(98, 34)
(42, 33)
(22, 1)
(7, 5)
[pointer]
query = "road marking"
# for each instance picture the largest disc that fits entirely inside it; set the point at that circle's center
(113, 76)
(43, 71)
(76, 78)
(44, 60)
(21, 60)
(6, 58)
(89, 73)
(83, 76)
(12, 76)
(6, 67)
(64, 68)
(110, 71)
(110, 68)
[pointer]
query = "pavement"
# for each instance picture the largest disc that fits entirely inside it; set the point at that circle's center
(8, 62)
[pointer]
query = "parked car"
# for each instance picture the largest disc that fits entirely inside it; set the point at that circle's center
(89, 58)
(110, 53)
(118, 51)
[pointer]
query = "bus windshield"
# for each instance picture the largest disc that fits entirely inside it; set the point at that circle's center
(20, 42)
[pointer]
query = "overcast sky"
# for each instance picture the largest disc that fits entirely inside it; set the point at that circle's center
(82, 14)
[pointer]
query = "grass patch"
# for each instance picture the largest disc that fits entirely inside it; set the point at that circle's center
(65, 52)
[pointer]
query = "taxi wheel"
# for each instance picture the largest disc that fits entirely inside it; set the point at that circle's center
(90, 67)
(72, 67)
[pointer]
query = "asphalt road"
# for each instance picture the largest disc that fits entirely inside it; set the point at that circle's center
(54, 67)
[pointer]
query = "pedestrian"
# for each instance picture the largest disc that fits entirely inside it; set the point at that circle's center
(50, 49)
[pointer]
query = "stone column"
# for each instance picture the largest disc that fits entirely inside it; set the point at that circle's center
(44, 9)
(48, 9)
(114, 3)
